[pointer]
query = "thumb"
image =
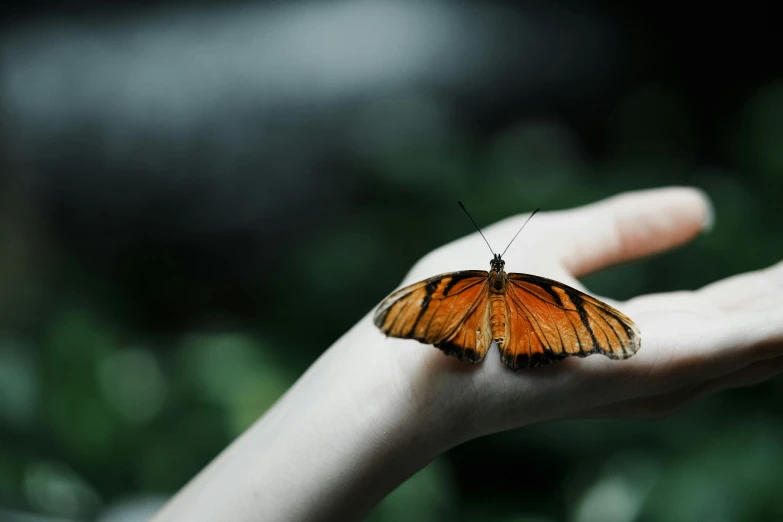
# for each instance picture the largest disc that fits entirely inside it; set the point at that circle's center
(632, 225)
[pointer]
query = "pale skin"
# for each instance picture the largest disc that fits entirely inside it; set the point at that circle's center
(371, 411)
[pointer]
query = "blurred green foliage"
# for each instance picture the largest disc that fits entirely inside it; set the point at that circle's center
(94, 409)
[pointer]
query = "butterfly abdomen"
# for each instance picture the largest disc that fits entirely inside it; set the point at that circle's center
(497, 317)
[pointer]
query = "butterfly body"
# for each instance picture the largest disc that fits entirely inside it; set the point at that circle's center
(532, 320)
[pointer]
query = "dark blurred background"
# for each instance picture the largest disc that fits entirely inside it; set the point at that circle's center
(177, 177)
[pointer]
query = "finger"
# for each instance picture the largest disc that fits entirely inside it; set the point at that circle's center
(754, 374)
(683, 301)
(668, 403)
(760, 304)
(681, 350)
(764, 303)
(632, 225)
(742, 289)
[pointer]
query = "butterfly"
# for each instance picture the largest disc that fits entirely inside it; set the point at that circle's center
(533, 320)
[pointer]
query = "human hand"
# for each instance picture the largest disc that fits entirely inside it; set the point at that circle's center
(729, 333)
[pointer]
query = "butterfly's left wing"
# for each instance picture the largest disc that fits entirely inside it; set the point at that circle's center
(449, 311)
(549, 320)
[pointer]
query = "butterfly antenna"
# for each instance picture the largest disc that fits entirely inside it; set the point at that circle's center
(475, 225)
(520, 230)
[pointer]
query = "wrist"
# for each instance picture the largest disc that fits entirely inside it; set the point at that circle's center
(362, 419)
(411, 386)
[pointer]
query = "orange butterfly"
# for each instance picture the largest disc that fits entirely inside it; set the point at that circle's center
(533, 320)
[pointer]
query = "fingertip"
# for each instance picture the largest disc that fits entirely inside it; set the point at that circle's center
(709, 214)
(691, 197)
(689, 207)
(698, 198)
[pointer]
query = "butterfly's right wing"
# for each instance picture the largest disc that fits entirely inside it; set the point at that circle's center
(449, 311)
(549, 320)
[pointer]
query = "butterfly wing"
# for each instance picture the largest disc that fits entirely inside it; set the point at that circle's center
(549, 321)
(449, 311)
